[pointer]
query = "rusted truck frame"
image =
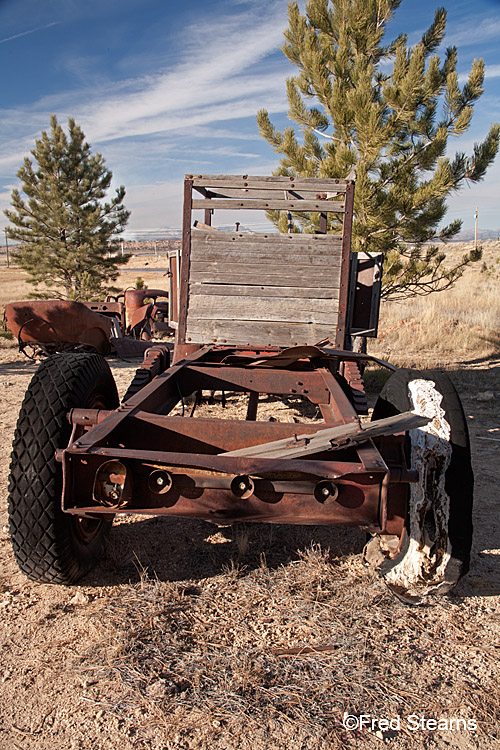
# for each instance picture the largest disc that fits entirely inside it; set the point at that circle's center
(268, 315)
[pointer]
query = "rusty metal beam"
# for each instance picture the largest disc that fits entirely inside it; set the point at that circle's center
(253, 403)
(344, 269)
(180, 338)
(273, 382)
(198, 493)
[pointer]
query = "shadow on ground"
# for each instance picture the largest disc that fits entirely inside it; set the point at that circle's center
(179, 549)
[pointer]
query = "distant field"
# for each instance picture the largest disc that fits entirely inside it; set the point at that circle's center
(461, 322)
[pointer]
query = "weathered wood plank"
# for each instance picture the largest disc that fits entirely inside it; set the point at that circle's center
(263, 308)
(274, 193)
(244, 290)
(234, 254)
(268, 238)
(271, 276)
(312, 183)
(307, 444)
(266, 205)
(262, 245)
(296, 271)
(221, 272)
(254, 333)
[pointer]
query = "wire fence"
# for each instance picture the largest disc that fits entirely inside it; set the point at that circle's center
(139, 247)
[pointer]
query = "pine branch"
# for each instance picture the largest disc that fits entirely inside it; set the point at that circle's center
(384, 127)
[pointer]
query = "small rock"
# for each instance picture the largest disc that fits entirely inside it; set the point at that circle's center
(79, 598)
(485, 396)
(157, 689)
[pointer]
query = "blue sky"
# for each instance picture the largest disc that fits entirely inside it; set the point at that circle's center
(162, 88)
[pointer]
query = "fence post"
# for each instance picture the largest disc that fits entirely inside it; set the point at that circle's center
(7, 246)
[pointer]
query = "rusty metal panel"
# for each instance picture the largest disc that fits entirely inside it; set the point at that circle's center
(180, 338)
(364, 297)
(344, 272)
(202, 486)
(173, 288)
(138, 459)
(58, 324)
(110, 308)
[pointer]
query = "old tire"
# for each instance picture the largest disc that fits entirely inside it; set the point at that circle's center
(435, 552)
(51, 546)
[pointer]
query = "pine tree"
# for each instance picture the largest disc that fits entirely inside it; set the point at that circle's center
(66, 230)
(383, 127)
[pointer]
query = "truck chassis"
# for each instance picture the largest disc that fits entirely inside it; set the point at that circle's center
(249, 310)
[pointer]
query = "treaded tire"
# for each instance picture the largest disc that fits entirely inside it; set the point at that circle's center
(51, 546)
(395, 398)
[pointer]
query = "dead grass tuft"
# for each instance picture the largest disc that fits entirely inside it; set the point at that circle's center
(275, 654)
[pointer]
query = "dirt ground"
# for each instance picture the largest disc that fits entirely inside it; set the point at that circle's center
(179, 638)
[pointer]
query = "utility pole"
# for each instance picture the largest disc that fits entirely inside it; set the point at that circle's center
(7, 245)
(475, 231)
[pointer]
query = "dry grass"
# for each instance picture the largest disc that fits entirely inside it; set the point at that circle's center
(462, 322)
(215, 661)
(14, 285)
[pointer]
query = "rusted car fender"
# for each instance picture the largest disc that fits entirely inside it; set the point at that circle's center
(57, 324)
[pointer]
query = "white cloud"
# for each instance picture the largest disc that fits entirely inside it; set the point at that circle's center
(492, 71)
(473, 30)
(224, 71)
(216, 80)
